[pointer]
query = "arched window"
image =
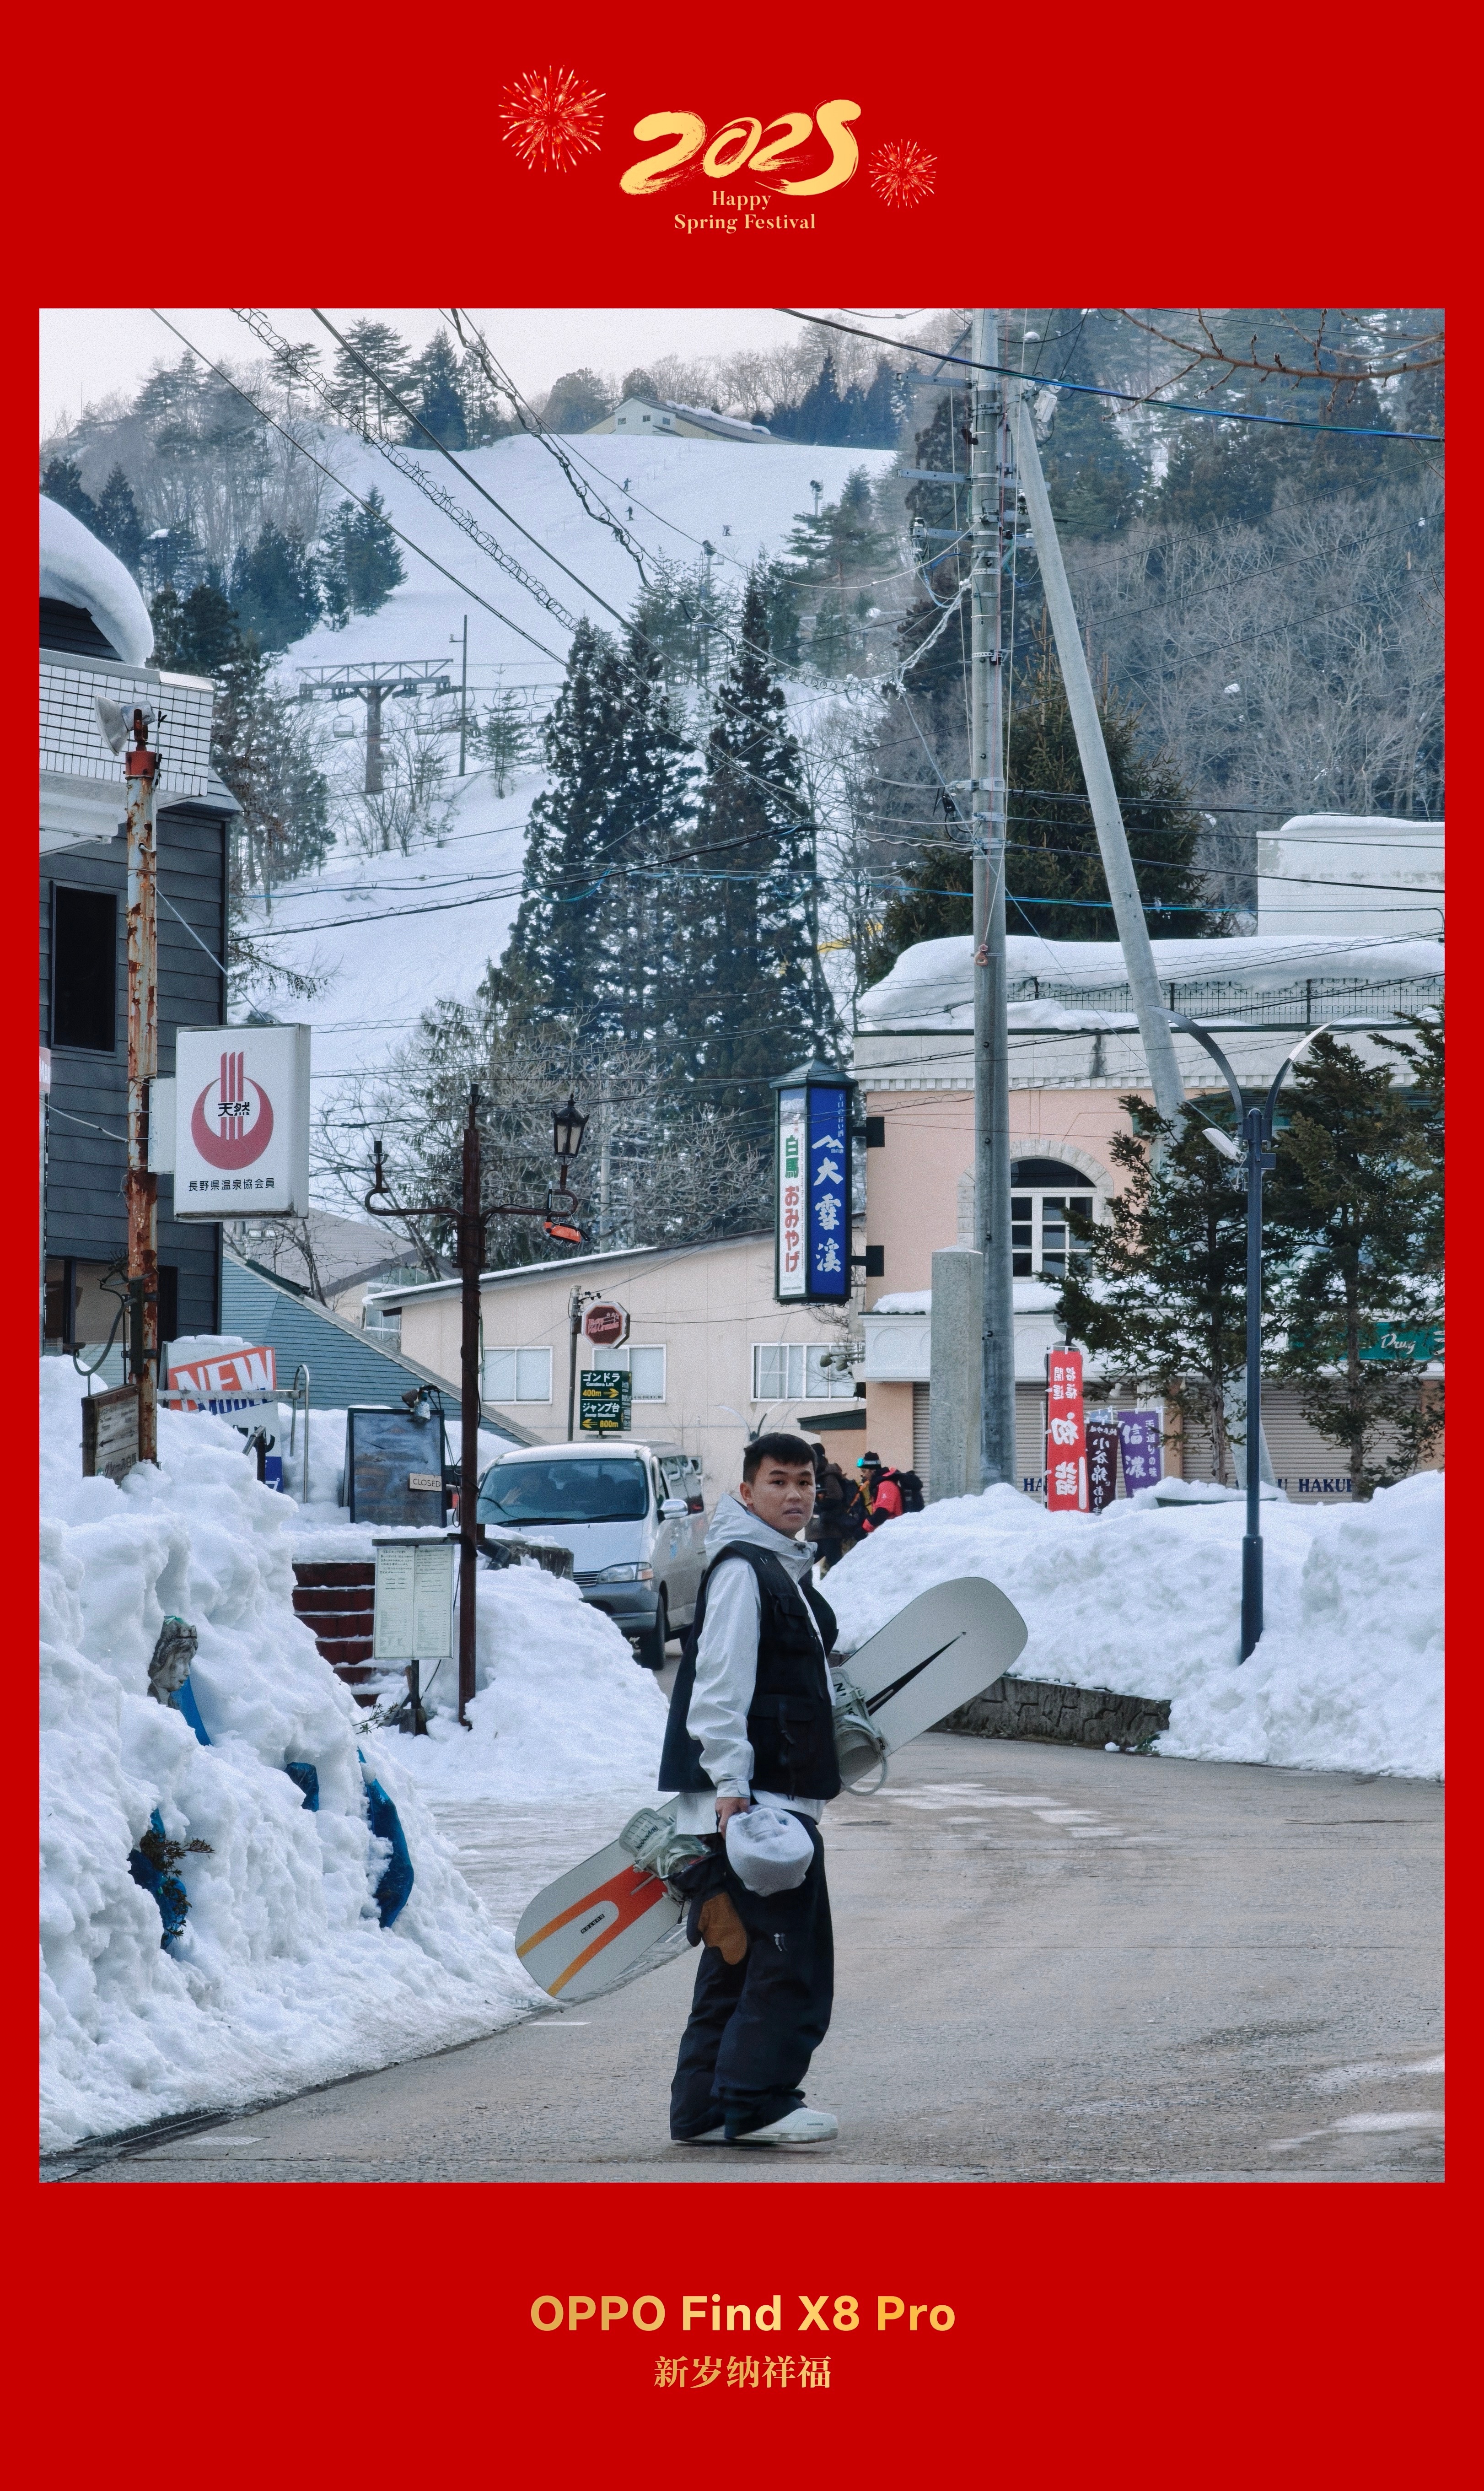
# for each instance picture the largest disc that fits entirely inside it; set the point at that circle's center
(1042, 1193)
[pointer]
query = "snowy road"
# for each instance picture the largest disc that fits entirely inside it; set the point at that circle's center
(1053, 1965)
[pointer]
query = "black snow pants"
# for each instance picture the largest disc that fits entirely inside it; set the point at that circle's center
(755, 2025)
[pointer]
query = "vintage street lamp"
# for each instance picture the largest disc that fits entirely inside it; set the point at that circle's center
(472, 1215)
(1255, 1125)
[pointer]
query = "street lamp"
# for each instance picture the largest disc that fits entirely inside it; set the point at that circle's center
(567, 1130)
(1255, 1124)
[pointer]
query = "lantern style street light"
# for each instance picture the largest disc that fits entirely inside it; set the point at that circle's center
(566, 1128)
(1255, 1125)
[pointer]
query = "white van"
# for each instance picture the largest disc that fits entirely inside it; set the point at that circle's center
(632, 1515)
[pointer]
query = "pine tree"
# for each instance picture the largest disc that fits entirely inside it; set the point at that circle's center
(360, 563)
(118, 523)
(354, 391)
(1162, 1291)
(274, 588)
(1355, 1205)
(1092, 478)
(576, 401)
(748, 997)
(196, 635)
(505, 739)
(263, 747)
(586, 944)
(62, 483)
(434, 391)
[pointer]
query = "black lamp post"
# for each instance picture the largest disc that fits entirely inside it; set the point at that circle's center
(1255, 1125)
(559, 1214)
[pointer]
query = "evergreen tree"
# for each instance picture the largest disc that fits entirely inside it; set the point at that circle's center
(505, 739)
(1055, 870)
(196, 635)
(435, 391)
(360, 561)
(1355, 1206)
(875, 413)
(61, 483)
(263, 746)
(274, 588)
(685, 612)
(118, 523)
(639, 384)
(576, 402)
(819, 415)
(748, 997)
(586, 944)
(1092, 478)
(1161, 1290)
(354, 388)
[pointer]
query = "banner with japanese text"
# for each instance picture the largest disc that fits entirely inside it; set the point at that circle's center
(1067, 1449)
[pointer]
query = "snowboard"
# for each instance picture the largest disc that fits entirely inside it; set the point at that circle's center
(613, 1916)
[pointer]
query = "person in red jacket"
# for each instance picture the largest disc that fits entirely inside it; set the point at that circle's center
(883, 1492)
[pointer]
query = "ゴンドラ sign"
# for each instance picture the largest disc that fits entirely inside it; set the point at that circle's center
(1066, 1439)
(241, 1123)
(235, 1381)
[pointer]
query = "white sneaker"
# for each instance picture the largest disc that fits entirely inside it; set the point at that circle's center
(799, 2127)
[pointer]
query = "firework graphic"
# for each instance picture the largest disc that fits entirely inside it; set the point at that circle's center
(551, 118)
(903, 172)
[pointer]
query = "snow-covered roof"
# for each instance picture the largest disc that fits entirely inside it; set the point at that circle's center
(931, 986)
(77, 569)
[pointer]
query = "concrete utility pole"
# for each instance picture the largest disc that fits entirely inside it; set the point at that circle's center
(140, 1186)
(989, 446)
(954, 1456)
(1111, 840)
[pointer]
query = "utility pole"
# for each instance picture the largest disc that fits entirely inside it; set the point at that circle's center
(463, 699)
(989, 461)
(140, 1186)
(471, 1215)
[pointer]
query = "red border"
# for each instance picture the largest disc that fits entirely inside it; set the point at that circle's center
(1171, 2334)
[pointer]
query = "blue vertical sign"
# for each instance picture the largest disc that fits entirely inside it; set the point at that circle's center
(828, 1214)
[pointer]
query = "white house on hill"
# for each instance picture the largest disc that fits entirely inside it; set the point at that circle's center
(642, 418)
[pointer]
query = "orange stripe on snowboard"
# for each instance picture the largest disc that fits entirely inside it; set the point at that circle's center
(626, 1894)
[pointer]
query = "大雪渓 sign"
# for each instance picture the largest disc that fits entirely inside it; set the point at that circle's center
(241, 1123)
(1067, 1449)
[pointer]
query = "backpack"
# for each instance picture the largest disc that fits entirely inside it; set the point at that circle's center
(911, 1491)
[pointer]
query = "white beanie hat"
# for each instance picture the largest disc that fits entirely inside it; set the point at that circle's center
(769, 1849)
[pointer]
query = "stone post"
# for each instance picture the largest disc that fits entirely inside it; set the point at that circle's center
(953, 1458)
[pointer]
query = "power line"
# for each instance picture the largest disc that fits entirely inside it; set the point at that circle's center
(262, 413)
(1133, 397)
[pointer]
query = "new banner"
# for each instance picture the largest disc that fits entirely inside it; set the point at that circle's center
(1066, 1450)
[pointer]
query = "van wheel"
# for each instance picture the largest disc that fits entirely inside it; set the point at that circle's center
(650, 1649)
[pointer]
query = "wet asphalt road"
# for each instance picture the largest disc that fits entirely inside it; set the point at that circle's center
(1052, 1965)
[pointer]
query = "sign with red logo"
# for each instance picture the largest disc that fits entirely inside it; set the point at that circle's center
(607, 1324)
(1066, 1435)
(241, 1123)
(234, 1381)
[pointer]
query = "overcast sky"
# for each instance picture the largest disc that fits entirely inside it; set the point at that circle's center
(87, 355)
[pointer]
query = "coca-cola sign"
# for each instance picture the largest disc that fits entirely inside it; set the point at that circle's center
(606, 1325)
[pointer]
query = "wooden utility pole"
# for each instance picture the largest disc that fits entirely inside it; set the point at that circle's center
(990, 477)
(140, 1186)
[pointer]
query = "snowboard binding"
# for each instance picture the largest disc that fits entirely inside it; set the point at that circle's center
(651, 1843)
(858, 1746)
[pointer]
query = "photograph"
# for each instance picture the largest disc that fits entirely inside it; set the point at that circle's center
(740, 1297)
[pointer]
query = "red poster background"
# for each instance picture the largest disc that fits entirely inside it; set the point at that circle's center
(1166, 2335)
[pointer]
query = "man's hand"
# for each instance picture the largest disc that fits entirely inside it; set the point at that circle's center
(729, 1808)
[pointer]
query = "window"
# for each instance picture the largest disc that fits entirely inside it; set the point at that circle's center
(517, 1375)
(84, 969)
(589, 1489)
(644, 1366)
(794, 1370)
(1042, 1193)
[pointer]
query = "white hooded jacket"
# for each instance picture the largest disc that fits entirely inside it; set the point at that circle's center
(726, 1668)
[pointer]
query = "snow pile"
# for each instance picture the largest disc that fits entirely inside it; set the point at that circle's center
(78, 570)
(282, 1975)
(564, 1711)
(1146, 1599)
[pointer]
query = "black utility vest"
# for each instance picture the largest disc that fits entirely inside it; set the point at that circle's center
(790, 1720)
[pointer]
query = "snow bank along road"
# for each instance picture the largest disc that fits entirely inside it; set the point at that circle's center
(1053, 1965)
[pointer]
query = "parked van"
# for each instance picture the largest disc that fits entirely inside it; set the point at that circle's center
(632, 1515)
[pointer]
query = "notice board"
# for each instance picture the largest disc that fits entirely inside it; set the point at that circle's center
(393, 1468)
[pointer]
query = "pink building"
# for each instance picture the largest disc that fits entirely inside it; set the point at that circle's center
(1074, 1053)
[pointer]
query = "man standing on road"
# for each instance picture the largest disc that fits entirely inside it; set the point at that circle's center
(751, 1724)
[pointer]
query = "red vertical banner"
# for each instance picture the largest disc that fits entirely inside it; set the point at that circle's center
(1066, 1436)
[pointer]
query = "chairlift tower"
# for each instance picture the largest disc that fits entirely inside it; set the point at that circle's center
(399, 679)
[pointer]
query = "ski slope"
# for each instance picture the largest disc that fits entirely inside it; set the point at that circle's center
(381, 965)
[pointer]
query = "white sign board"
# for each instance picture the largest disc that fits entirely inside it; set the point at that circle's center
(241, 1123)
(414, 1613)
(235, 1381)
(791, 1196)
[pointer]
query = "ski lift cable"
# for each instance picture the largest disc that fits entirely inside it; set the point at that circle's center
(1136, 398)
(402, 538)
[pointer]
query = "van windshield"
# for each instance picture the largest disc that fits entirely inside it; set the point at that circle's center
(565, 1492)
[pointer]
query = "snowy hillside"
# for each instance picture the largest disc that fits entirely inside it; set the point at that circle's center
(383, 968)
